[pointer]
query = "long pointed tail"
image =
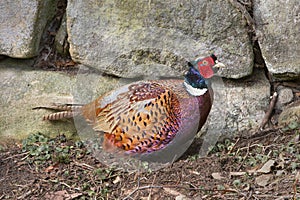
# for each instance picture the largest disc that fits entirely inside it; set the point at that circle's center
(59, 115)
(65, 111)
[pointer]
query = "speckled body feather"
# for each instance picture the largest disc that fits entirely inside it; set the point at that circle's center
(145, 116)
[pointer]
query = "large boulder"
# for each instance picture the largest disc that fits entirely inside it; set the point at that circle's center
(278, 28)
(239, 106)
(131, 38)
(23, 88)
(22, 23)
(290, 116)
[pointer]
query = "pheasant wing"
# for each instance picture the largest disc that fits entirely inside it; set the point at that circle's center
(139, 117)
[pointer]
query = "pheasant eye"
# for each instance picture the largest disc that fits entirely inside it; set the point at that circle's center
(205, 62)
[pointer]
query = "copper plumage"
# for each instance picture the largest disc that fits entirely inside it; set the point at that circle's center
(146, 116)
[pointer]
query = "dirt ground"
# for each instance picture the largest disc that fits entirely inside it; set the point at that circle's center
(264, 166)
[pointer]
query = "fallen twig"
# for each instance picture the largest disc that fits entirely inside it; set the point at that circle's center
(16, 155)
(25, 195)
(295, 184)
(149, 197)
(269, 111)
(65, 184)
(229, 152)
(84, 166)
(244, 159)
(291, 85)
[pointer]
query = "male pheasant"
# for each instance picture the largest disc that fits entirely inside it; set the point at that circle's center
(151, 117)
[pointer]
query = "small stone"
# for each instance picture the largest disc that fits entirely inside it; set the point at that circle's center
(290, 115)
(285, 96)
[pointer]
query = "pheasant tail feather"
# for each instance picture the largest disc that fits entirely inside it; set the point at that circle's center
(59, 115)
(65, 111)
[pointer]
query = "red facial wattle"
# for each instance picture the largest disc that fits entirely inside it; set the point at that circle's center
(205, 67)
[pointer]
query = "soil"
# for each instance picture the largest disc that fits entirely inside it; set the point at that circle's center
(264, 166)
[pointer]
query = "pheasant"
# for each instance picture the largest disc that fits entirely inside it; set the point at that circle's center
(148, 118)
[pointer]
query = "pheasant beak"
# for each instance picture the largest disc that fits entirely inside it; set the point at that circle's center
(218, 66)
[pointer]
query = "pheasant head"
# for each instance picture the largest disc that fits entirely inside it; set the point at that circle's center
(196, 79)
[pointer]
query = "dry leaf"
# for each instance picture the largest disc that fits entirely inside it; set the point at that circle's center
(217, 176)
(117, 180)
(266, 168)
(263, 179)
(252, 171)
(74, 195)
(279, 172)
(51, 167)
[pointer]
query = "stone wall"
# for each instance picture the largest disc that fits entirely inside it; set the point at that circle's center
(128, 39)
(22, 24)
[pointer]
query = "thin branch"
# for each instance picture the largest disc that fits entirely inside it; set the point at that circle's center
(149, 197)
(25, 195)
(295, 184)
(84, 165)
(269, 111)
(245, 157)
(16, 155)
(229, 152)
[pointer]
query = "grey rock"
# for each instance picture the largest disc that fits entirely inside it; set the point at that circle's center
(238, 108)
(246, 102)
(90, 84)
(22, 23)
(23, 88)
(290, 116)
(278, 28)
(285, 96)
(110, 35)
